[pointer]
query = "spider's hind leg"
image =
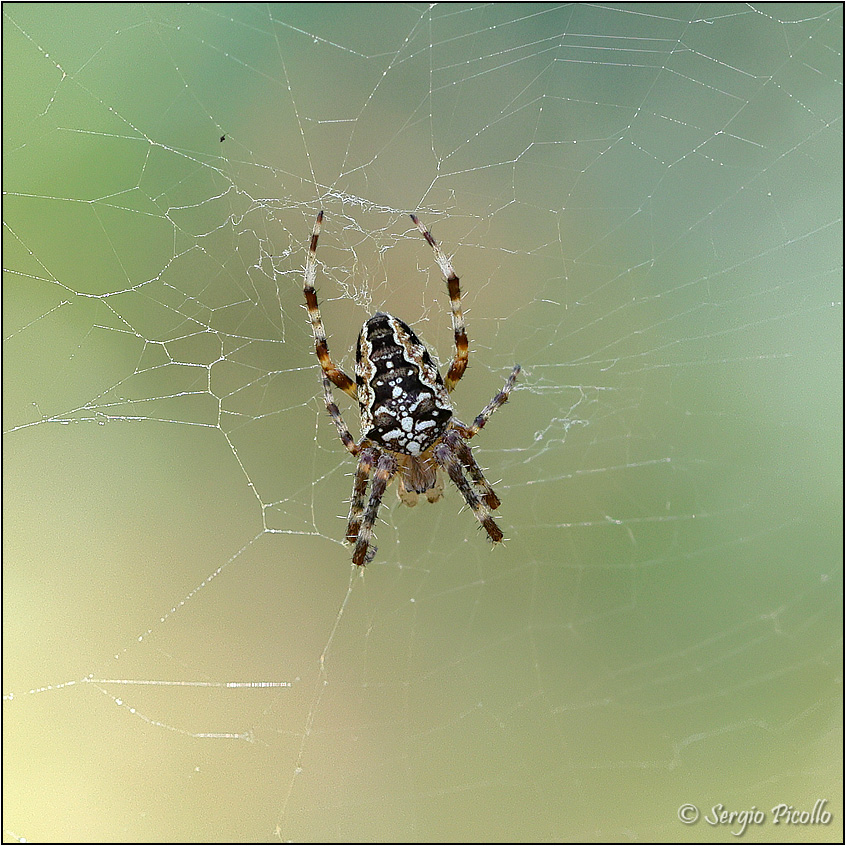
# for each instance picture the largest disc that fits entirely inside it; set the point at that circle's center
(321, 346)
(462, 349)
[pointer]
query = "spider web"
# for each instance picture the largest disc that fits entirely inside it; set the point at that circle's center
(644, 205)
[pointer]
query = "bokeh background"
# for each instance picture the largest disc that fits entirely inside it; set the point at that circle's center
(644, 204)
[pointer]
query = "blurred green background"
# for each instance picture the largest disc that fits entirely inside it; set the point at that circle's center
(644, 205)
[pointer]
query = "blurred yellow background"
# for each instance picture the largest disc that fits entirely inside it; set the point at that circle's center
(644, 205)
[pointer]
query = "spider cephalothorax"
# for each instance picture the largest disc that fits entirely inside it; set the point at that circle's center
(407, 424)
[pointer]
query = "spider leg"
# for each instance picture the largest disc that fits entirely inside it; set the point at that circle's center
(336, 375)
(462, 351)
(367, 459)
(364, 550)
(465, 456)
(490, 408)
(445, 456)
(335, 413)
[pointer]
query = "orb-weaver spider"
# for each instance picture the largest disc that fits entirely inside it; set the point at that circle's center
(407, 422)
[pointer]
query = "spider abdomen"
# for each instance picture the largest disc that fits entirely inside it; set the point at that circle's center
(404, 403)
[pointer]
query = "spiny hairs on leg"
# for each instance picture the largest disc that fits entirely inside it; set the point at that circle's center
(321, 347)
(465, 455)
(484, 415)
(366, 460)
(462, 349)
(335, 413)
(450, 462)
(365, 549)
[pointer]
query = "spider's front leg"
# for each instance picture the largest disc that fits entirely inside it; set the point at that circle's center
(445, 455)
(465, 456)
(364, 550)
(367, 459)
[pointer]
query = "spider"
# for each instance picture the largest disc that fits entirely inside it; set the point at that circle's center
(407, 422)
